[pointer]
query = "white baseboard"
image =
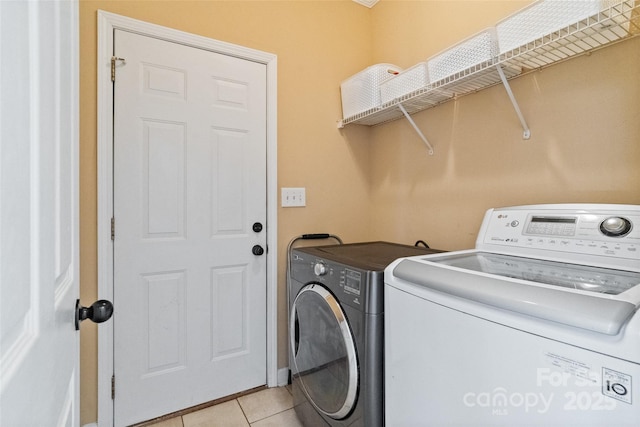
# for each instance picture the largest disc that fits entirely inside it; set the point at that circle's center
(283, 377)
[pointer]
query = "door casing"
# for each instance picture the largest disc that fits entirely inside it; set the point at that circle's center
(107, 22)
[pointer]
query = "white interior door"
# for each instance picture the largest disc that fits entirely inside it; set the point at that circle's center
(189, 184)
(39, 367)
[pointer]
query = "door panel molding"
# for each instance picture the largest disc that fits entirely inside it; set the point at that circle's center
(107, 23)
(39, 228)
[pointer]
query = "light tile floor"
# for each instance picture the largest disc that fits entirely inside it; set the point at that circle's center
(272, 407)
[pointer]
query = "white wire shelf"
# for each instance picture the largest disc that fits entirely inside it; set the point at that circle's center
(612, 24)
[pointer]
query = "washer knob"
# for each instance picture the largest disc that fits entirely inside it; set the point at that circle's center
(320, 269)
(615, 226)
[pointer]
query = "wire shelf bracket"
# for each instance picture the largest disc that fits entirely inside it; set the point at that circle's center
(527, 132)
(416, 128)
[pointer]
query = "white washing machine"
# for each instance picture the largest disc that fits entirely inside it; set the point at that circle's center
(537, 325)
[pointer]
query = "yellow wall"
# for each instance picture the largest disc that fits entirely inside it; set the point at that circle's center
(407, 32)
(379, 183)
(583, 116)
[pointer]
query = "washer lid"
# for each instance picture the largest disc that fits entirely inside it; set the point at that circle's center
(521, 285)
(561, 274)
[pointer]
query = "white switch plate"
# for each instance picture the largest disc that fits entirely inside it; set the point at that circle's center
(293, 197)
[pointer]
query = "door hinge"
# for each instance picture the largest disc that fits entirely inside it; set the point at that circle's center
(113, 67)
(113, 387)
(113, 228)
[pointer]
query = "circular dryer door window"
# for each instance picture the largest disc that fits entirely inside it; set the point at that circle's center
(324, 352)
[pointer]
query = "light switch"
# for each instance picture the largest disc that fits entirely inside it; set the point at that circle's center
(293, 197)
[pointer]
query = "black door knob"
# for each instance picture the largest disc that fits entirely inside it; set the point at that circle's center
(257, 250)
(257, 227)
(100, 311)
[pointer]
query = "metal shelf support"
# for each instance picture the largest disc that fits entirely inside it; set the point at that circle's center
(527, 133)
(415, 127)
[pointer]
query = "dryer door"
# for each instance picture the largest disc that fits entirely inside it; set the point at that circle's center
(324, 354)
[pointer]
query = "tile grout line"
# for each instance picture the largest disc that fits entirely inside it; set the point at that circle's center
(243, 412)
(267, 417)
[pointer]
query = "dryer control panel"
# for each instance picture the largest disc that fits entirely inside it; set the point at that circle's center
(360, 289)
(609, 231)
(351, 281)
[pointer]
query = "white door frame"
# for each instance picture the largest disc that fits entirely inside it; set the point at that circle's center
(107, 22)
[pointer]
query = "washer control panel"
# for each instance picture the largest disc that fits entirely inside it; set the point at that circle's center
(600, 230)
